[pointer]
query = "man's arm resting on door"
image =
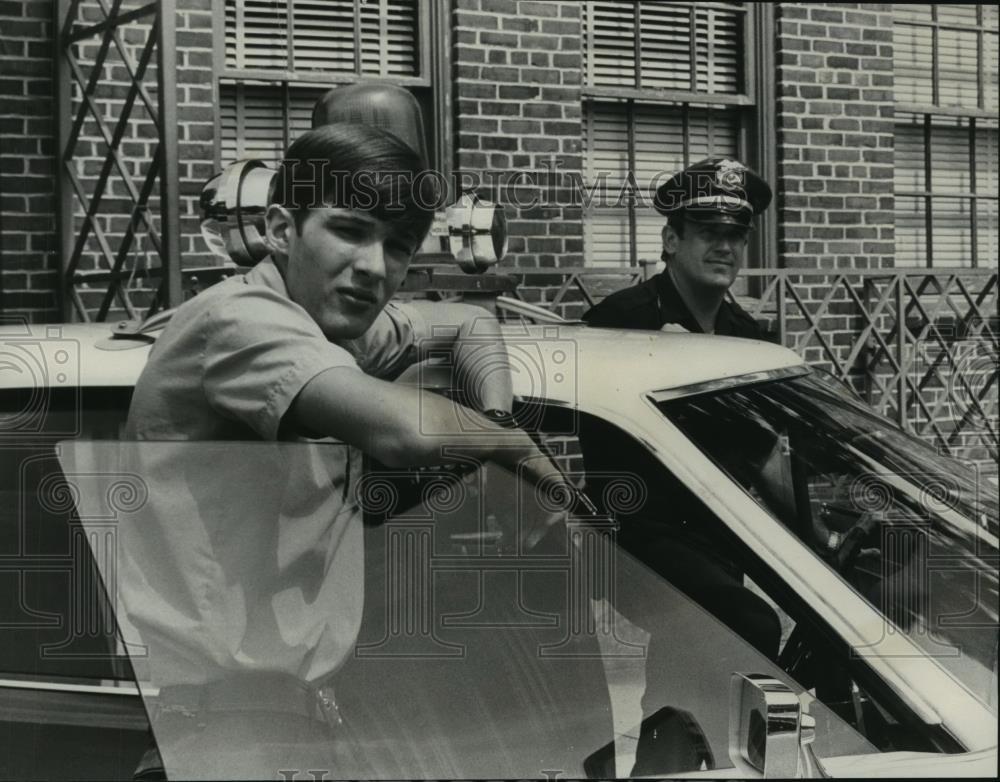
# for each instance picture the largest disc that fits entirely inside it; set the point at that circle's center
(405, 427)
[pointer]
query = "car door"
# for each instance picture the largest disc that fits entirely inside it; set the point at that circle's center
(68, 705)
(477, 654)
(494, 659)
(698, 503)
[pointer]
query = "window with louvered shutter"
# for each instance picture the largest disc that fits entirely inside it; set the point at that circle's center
(258, 123)
(665, 85)
(361, 37)
(281, 55)
(666, 139)
(692, 47)
(946, 191)
(945, 63)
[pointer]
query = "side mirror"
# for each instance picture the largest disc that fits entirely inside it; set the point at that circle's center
(769, 734)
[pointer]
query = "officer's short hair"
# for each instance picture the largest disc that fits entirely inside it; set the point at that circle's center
(675, 221)
(355, 166)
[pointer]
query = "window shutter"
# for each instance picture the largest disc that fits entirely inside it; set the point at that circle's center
(667, 53)
(909, 155)
(950, 171)
(952, 237)
(659, 153)
(911, 237)
(323, 36)
(606, 232)
(912, 51)
(945, 60)
(950, 186)
(959, 63)
(957, 55)
(991, 46)
(719, 35)
(253, 121)
(987, 166)
(256, 34)
(665, 38)
(401, 38)
(610, 52)
(987, 186)
(987, 239)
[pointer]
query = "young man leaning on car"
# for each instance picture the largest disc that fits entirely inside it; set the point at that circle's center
(305, 345)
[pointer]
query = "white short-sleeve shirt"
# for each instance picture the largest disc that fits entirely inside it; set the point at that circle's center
(245, 556)
(232, 360)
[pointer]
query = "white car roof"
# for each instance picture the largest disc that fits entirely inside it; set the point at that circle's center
(601, 367)
(67, 355)
(569, 364)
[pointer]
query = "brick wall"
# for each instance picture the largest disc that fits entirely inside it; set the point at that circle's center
(196, 109)
(835, 159)
(517, 110)
(28, 244)
(195, 151)
(517, 97)
(835, 135)
(27, 154)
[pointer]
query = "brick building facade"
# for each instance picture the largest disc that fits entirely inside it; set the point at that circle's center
(518, 83)
(835, 136)
(28, 279)
(850, 110)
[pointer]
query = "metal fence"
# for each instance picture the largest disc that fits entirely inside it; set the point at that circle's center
(134, 42)
(919, 345)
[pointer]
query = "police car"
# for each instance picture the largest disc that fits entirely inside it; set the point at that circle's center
(477, 658)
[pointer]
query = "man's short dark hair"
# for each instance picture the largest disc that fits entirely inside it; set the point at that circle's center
(355, 166)
(675, 221)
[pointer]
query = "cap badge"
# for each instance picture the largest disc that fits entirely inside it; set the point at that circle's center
(729, 174)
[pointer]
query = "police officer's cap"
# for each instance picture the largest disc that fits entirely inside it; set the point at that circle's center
(714, 190)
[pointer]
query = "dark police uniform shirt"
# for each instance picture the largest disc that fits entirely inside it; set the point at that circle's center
(608, 451)
(655, 302)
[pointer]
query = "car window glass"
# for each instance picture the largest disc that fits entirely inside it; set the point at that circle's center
(912, 531)
(674, 534)
(228, 560)
(444, 644)
(67, 691)
(576, 700)
(53, 610)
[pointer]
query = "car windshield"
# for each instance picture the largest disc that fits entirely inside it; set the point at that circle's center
(912, 531)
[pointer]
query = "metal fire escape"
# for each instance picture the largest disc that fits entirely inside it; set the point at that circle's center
(87, 200)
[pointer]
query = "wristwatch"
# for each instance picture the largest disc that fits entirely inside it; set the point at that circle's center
(501, 418)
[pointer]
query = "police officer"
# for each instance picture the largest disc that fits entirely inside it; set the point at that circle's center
(709, 208)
